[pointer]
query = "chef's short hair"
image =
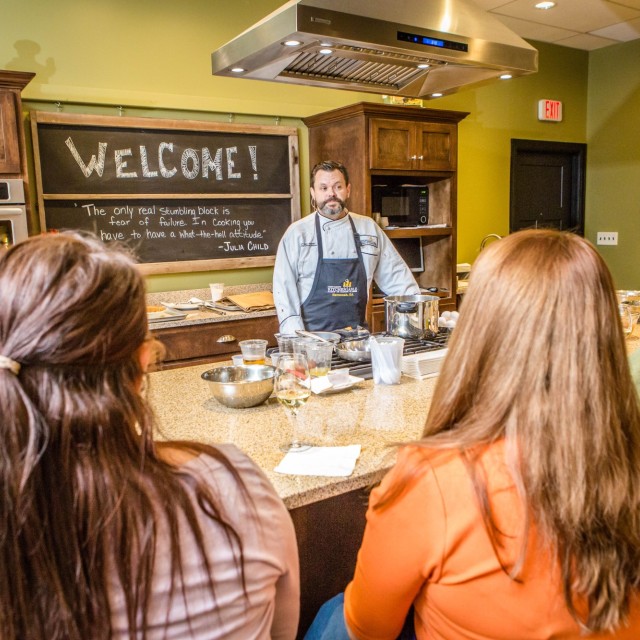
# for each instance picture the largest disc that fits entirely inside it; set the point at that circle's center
(329, 165)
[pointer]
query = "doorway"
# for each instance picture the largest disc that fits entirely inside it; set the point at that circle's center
(547, 185)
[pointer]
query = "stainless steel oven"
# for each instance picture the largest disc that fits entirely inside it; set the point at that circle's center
(13, 212)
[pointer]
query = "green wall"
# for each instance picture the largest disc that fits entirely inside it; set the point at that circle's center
(502, 111)
(613, 159)
(153, 59)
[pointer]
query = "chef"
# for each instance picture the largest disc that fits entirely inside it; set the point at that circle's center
(326, 261)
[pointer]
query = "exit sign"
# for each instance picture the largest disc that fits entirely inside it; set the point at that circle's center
(550, 110)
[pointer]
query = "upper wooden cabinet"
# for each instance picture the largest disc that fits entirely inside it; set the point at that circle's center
(9, 146)
(398, 145)
(406, 145)
(13, 157)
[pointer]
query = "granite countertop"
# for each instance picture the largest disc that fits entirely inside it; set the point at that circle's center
(374, 416)
(204, 316)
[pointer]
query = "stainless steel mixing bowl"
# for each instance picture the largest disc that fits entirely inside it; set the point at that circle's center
(242, 386)
(354, 350)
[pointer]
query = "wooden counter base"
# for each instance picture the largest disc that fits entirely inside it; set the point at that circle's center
(329, 534)
(212, 342)
(204, 336)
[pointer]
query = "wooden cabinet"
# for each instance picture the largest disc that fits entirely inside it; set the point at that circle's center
(388, 144)
(406, 146)
(9, 139)
(13, 154)
(15, 224)
(376, 318)
(211, 341)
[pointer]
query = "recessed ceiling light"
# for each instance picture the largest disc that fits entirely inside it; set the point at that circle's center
(506, 76)
(423, 66)
(436, 95)
(326, 44)
(545, 5)
(326, 52)
(292, 43)
(237, 70)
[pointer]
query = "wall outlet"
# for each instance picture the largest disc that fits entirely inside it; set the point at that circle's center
(607, 237)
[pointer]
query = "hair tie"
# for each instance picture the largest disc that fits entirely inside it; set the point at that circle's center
(8, 363)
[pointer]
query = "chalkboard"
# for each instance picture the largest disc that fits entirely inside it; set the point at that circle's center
(178, 229)
(184, 195)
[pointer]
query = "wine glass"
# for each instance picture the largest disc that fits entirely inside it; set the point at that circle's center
(292, 387)
(626, 319)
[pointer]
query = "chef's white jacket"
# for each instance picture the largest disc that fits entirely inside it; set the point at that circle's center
(297, 259)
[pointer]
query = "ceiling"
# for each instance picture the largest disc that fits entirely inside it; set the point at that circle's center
(581, 24)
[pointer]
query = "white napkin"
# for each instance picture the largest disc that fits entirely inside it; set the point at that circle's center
(323, 384)
(320, 461)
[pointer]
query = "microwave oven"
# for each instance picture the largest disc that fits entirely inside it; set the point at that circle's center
(404, 205)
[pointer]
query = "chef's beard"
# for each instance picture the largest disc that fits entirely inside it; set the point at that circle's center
(328, 211)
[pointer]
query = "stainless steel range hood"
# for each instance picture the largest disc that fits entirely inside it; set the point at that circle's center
(411, 48)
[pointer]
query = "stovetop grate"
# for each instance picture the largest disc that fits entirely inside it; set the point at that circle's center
(411, 346)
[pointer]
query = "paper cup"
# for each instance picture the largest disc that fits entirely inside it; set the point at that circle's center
(217, 291)
(386, 359)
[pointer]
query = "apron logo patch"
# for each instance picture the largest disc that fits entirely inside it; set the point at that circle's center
(345, 289)
(368, 241)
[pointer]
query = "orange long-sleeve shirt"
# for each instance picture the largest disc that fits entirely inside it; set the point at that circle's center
(430, 548)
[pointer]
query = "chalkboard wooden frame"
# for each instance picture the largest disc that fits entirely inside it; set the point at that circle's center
(256, 198)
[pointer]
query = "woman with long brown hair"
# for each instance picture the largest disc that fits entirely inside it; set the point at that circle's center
(105, 533)
(517, 515)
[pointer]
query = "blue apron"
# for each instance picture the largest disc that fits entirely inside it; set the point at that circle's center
(338, 296)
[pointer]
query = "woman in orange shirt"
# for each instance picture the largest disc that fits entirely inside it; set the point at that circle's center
(517, 515)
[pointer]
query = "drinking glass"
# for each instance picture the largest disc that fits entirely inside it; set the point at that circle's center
(319, 358)
(299, 345)
(626, 319)
(292, 388)
(253, 351)
(285, 342)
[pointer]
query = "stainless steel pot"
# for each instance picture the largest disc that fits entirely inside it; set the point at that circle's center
(412, 316)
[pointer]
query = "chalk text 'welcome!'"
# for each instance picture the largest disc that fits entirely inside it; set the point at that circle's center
(165, 163)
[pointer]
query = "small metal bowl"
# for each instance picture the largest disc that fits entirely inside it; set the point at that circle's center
(354, 350)
(330, 336)
(359, 333)
(240, 387)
